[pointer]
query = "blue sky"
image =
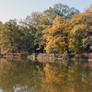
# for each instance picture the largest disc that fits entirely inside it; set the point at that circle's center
(10, 9)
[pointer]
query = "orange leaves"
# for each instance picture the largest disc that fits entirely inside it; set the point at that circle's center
(55, 36)
(57, 21)
(68, 35)
(89, 10)
(79, 28)
(53, 78)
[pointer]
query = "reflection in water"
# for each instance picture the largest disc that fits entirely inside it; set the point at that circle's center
(33, 77)
(18, 75)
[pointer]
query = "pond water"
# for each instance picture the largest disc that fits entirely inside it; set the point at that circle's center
(27, 76)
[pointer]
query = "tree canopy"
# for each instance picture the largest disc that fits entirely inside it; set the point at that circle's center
(59, 29)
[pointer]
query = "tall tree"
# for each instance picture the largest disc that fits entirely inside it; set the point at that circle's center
(80, 32)
(56, 36)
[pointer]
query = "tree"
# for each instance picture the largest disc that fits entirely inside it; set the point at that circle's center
(40, 21)
(61, 10)
(80, 32)
(13, 38)
(56, 36)
(7, 36)
(89, 10)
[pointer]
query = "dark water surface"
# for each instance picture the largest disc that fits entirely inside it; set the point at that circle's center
(28, 76)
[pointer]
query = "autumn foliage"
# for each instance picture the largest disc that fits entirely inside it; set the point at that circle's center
(59, 29)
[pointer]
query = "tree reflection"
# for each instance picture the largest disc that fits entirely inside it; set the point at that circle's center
(32, 77)
(14, 75)
(59, 78)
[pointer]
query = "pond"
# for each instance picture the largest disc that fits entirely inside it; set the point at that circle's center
(27, 76)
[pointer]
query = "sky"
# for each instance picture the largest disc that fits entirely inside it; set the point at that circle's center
(19, 9)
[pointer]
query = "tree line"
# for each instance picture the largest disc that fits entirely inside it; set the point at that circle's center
(59, 29)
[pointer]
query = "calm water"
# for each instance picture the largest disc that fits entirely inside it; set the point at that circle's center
(27, 76)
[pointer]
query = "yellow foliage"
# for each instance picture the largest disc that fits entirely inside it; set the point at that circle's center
(89, 10)
(79, 27)
(55, 36)
(53, 78)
